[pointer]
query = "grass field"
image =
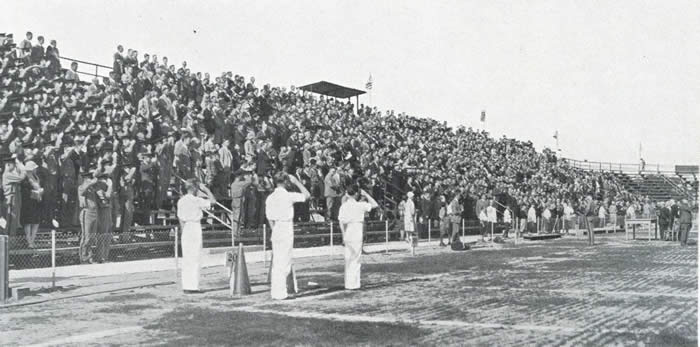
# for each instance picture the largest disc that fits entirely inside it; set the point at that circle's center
(559, 292)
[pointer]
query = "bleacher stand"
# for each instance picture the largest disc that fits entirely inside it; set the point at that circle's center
(150, 123)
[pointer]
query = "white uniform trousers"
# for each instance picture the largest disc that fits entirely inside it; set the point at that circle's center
(282, 245)
(353, 252)
(191, 253)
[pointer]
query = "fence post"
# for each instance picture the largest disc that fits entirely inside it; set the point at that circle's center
(4, 266)
(265, 245)
(53, 258)
(331, 232)
(429, 229)
(386, 236)
(462, 230)
(177, 265)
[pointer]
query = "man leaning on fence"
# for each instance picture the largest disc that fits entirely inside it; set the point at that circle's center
(279, 210)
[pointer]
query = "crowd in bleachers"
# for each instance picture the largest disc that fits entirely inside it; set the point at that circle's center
(150, 123)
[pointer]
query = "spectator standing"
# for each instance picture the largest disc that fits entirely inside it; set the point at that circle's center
(492, 217)
(531, 219)
(332, 193)
(54, 57)
(164, 158)
(601, 215)
(612, 212)
(32, 193)
(238, 191)
(24, 49)
(126, 196)
(481, 205)
(685, 220)
(444, 215)
(665, 220)
(12, 177)
(37, 52)
(409, 215)
(546, 218)
(88, 216)
(401, 209)
(103, 192)
(631, 212)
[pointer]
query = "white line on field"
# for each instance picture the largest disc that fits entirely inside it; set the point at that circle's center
(87, 337)
(588, 292)
(443, 323)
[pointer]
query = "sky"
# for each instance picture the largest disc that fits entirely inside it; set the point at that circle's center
(606, 75)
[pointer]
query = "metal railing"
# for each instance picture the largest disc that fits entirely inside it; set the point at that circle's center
(620, 167)
(96, 66)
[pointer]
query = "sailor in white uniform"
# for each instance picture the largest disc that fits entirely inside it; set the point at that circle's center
(189, 212)
(279, 210)
(352, 218)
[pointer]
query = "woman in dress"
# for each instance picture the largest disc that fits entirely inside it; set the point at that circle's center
(30, 216)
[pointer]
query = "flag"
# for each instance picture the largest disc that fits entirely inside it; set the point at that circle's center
(368, 86)
(556, 134)
(483, 116)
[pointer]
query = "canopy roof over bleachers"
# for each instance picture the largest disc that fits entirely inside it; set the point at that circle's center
(332, 89)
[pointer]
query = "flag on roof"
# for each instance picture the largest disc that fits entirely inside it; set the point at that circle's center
(483, 116)
(368, 86)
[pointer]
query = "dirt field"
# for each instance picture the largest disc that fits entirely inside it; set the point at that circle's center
(559, 292)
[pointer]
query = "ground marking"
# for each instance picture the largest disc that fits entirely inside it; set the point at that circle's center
(87, 337)
(442, 323)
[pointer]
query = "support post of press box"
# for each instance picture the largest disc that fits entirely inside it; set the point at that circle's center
(4, 269)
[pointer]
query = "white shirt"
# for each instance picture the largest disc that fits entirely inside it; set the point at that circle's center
(631, 213)
(279, 206)
(601, 212)
(546, 214)
(482, 216)
(491, 214)
(190, 207)
(568, 212)
(531, 215)
(353, 211)
(506, 216)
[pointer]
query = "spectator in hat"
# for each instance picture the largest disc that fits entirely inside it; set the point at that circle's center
(126, 196)
(685, 220)
(12, 178)
(409, 215)
(164, 154)
(239, 189)
(226, 159)
(332, 192)
(32, 194)
(69, 163)
(103, 192)
(54, 57)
